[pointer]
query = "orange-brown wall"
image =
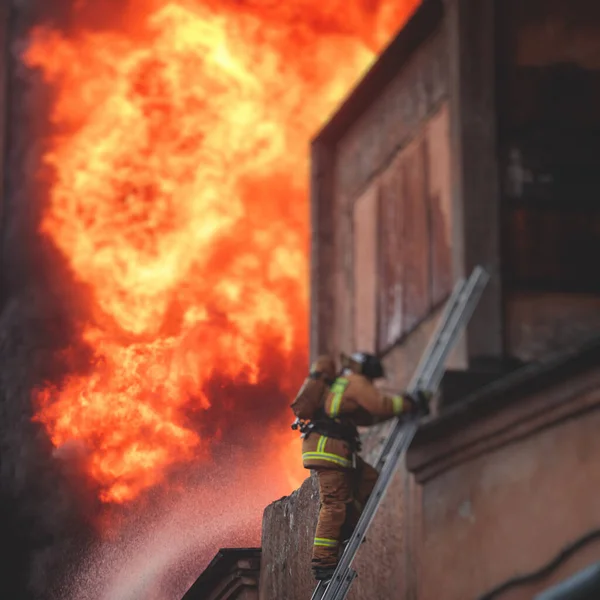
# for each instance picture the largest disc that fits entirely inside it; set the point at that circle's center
(508, 511)
(492, 499)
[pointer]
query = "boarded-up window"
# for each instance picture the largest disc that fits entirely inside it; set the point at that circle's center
(365, 270)
(415, 266)
(391, 250)
(417, 234)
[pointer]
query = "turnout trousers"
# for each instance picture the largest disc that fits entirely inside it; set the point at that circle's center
(343, 494)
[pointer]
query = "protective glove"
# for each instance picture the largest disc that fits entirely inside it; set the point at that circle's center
(420, 400)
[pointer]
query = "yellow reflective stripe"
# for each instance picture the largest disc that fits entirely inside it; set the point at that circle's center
(337, 389)
(321, 444)
(326, 456)
(325, 542)
(398, 402)
(320, 454)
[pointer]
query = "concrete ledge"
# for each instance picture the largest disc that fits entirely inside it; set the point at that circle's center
(532, 398)
(288, 529)
(233, 572)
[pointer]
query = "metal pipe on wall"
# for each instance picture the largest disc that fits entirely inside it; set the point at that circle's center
(584, 585)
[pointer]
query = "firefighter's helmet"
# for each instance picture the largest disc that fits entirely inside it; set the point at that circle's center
(365, 364)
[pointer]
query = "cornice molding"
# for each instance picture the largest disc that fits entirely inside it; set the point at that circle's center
(518, 406)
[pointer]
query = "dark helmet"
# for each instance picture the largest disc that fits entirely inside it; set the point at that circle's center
(365, 364)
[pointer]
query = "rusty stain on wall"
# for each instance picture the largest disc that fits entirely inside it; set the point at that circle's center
(415, 228)
(391, 266)
(365, 269)
(440, 197)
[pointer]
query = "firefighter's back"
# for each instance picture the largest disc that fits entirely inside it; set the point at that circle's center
(353, 398)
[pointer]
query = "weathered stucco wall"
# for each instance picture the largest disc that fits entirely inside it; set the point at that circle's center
(384, 565)
(393, 118)
(392, 165)
(401, 230)
(288, 531)
(503, 512)
(488, 513)
(393, 248)
(400, 364)
(496, 497)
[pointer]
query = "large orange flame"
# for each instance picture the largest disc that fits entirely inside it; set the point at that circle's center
(179, 152)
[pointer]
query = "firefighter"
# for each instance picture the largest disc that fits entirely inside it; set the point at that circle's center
(329, 408)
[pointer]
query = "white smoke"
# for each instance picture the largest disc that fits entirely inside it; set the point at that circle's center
(165, 547)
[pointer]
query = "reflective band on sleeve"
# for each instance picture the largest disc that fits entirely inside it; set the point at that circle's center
(337, 389)
(327, 457)
(325, 542)
(398, 402)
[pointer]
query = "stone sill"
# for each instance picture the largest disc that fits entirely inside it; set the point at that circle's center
(532, 398)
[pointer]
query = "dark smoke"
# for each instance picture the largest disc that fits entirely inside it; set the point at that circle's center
(46, 515)
(48, 511)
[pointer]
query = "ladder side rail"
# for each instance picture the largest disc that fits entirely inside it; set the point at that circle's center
(446, 338)
(457, 313)
(435, 354)
(400, 444)
(319, 591)
(345, 584)
(385, 452)
(476, 292)
(400, 439)
(465, 305)
(404, 430)
(430, 353)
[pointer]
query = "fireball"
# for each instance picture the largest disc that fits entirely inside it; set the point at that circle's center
(178, 147)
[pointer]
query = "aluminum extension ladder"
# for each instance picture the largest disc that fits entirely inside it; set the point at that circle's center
(457, 313)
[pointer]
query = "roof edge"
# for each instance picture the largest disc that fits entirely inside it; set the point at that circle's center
(223, 561)
(423, 22)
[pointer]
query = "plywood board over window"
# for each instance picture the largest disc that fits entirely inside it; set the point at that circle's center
(365, 269)
(440, 202)
(417, 235)
(390, 322)
(414, 259)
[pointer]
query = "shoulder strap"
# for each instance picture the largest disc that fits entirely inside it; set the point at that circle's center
(337, 391)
